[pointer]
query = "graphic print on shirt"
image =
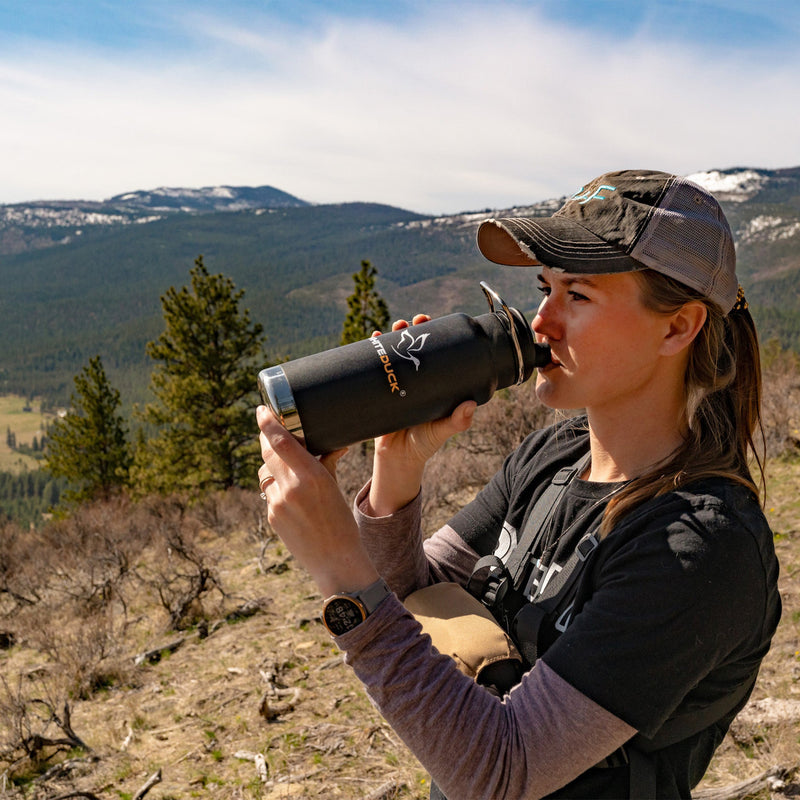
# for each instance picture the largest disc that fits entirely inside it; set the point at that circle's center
(564, 618)
(537, 581)
(506, 542)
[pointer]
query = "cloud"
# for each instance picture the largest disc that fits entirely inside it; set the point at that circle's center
(448, 111)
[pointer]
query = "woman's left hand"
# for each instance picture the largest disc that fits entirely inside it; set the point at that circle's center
(308, 512)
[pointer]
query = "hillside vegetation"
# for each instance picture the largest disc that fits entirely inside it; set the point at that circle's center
(83, 281)
(175, 650)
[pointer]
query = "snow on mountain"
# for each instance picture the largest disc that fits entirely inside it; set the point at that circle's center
(734, 185)
(210, 191)
(49, 217)
(767, 228)
(168, 199)
(141, 206)
(48, 223)
(471, 219)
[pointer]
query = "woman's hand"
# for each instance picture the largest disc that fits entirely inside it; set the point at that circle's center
(400, 457)
(308, 512)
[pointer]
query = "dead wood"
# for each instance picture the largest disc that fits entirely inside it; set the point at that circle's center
(154, 656)
(33, 744)
(248, 609)
(386, 791)
(271, 706)
(63, 768)
(151, 782)
(258, 759)
(773, 779)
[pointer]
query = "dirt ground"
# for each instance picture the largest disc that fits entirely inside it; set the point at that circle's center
(262, 706)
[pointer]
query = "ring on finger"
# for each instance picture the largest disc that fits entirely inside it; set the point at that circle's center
(266, 481)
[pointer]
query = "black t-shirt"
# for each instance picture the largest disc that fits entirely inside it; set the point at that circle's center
(676, 607)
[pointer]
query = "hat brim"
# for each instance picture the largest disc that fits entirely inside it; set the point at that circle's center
(555, 242)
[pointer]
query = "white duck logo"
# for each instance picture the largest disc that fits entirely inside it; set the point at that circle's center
(408, 345)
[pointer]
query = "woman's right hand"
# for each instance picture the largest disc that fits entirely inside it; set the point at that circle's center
(400, 457)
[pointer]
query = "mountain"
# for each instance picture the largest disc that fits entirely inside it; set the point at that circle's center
(82, 278)
(763, 208)
(30, 226)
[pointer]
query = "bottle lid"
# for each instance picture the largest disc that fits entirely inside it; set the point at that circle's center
(541, 352)
(277, 394)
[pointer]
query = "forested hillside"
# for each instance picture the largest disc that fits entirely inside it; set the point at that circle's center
(93, 286)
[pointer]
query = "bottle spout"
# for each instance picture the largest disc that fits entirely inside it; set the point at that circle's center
(541, 355)
(519, 331)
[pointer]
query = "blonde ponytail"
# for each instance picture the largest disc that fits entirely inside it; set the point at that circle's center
(723, 401)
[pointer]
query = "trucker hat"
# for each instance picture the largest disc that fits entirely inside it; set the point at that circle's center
(626, 221)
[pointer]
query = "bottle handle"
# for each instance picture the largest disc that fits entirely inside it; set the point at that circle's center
(492, 296)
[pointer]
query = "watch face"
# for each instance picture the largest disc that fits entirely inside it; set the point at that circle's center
(342, 614)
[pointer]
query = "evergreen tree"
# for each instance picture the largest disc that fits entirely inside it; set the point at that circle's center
(89, 446)
(205, 389)
(366, 309)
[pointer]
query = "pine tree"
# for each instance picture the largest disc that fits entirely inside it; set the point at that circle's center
(204, 384)
(366, 309)
(89, 446)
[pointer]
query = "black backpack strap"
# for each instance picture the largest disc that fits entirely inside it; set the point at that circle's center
(641, 775)
(540, 514)
(491, 578)
(526, 623)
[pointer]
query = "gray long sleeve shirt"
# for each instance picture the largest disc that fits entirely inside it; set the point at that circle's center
(473, 744)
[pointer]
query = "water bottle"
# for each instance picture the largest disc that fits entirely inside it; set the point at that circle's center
(418, 374)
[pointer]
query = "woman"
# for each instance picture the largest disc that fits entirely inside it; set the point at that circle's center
(638, 668)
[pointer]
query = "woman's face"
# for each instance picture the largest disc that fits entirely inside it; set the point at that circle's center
(606, 345)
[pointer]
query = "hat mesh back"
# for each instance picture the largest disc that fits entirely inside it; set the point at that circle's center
(685, 240)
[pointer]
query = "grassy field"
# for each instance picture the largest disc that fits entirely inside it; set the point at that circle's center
(25, 421)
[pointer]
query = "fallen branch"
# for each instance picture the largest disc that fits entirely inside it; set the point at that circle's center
(65, 767)
(248, 609)
(769, 711)
(151, 782)
(258, 759)
(386, 791)
(270, 709)
(773, 779)
(291, 780)
(156, 654)
(128, 739)
(271, 706)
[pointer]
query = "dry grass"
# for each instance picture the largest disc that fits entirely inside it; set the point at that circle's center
(25, 425)
(269, 683)
(246, 669)
(767, 733)
(273, 683)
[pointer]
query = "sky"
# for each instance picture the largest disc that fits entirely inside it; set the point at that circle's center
(430, 105)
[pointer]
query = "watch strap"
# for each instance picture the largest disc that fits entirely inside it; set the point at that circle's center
(373, 595)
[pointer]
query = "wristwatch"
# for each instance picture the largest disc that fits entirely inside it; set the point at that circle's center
(343, 612)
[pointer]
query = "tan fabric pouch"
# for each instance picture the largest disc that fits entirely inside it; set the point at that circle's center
(461, 627)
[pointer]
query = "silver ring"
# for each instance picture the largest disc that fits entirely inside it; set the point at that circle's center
(263, 496)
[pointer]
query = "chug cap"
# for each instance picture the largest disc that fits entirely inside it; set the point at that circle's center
(622, 222)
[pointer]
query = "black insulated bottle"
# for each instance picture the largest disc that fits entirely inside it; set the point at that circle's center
(418, 374)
